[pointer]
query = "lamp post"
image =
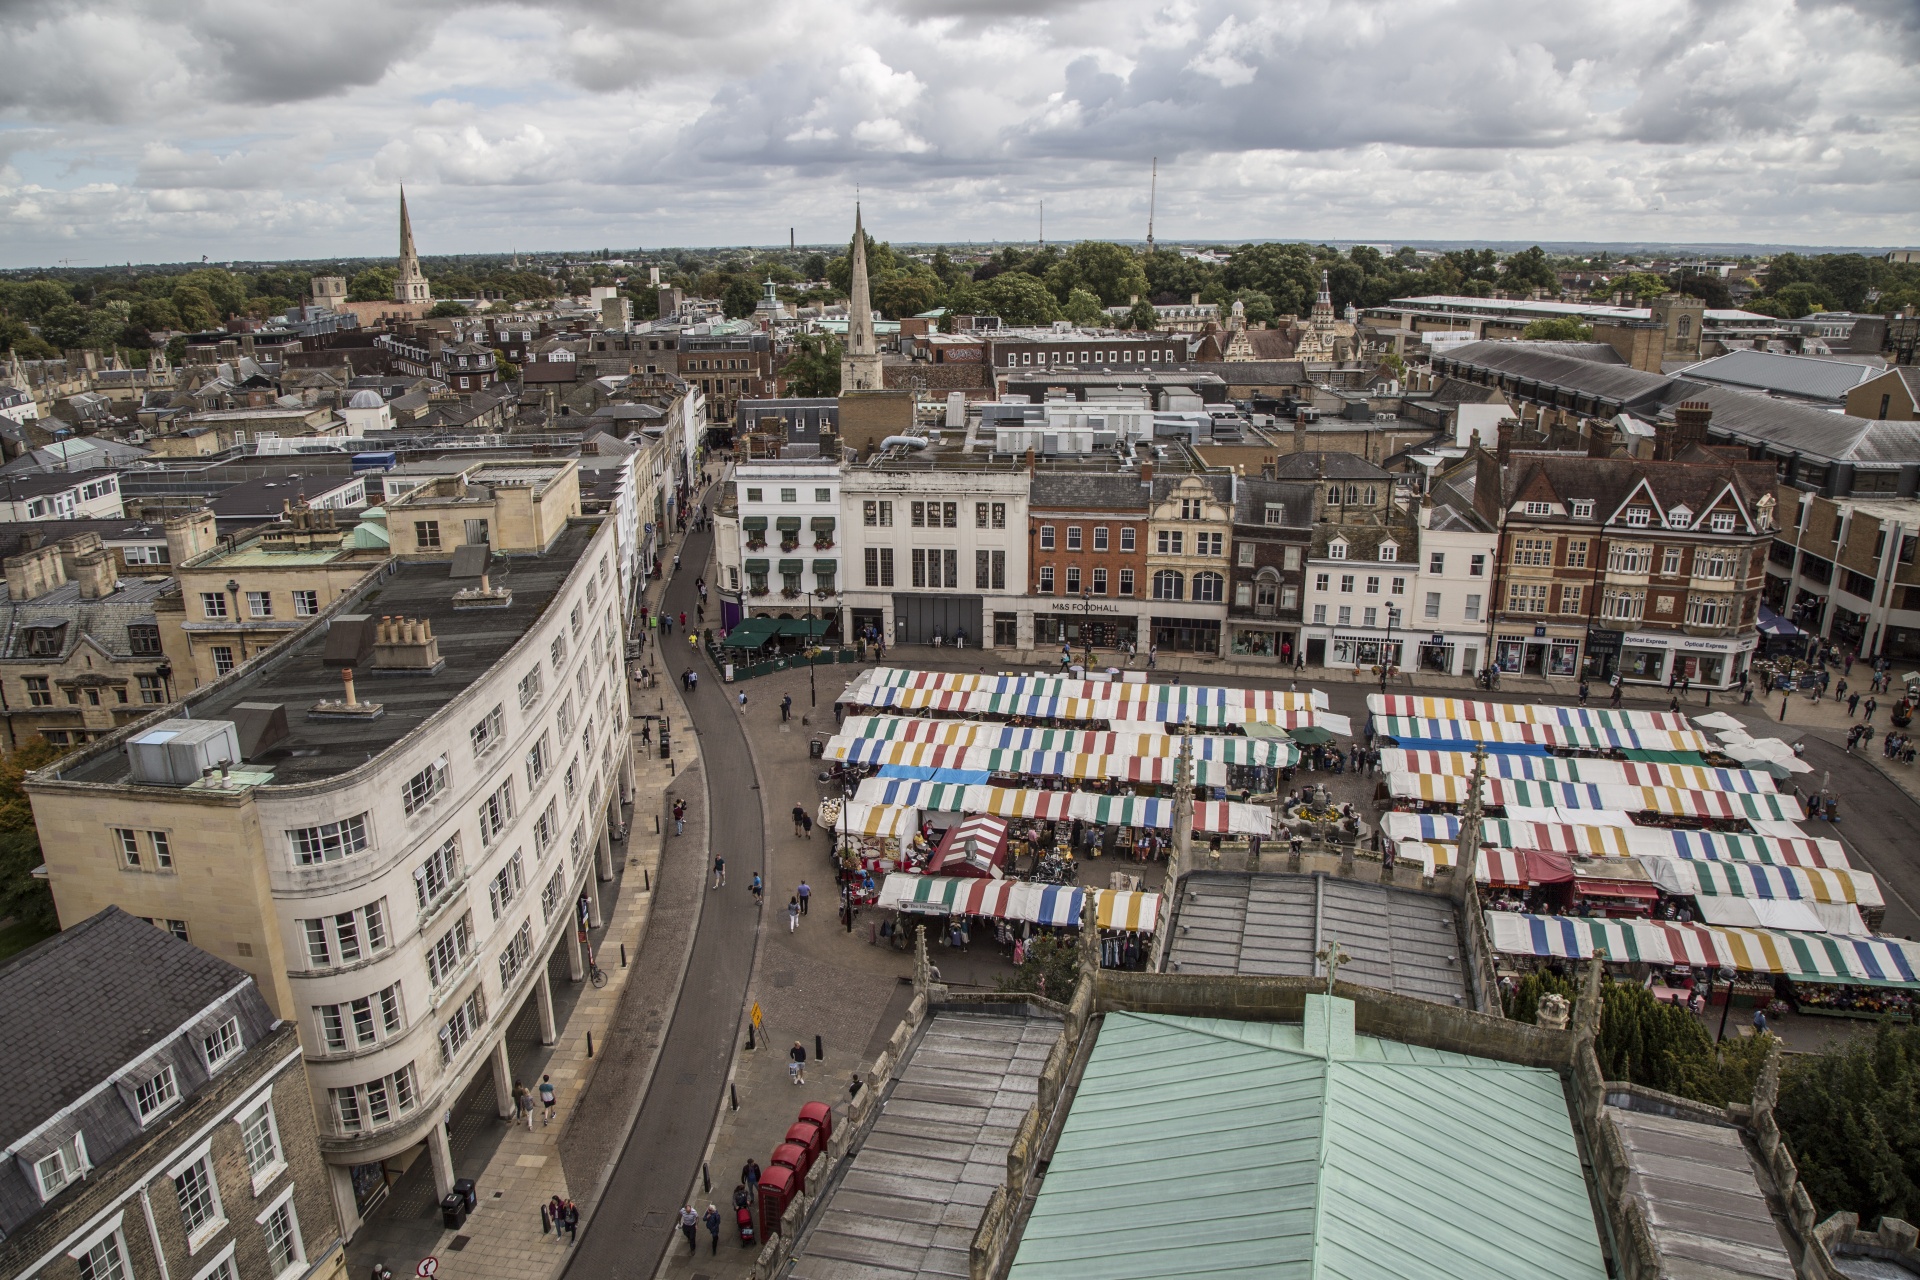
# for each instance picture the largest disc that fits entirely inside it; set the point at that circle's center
(1086, 625)
(813, 695)
(1387, 648)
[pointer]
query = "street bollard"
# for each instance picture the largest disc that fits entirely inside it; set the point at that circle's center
(749, 1037)
(646, 878)
(706, 1178)
(733, 1095)
(819, 1050)
(623, 955)
(589, 1044)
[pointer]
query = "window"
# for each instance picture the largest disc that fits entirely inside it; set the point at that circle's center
(1629, 557)
(1168, 585)
(1397, 586)
(1576, 553)
(1073, 579)
(756, 495)
(1372, 617)
(222, 660)
(368, 1019)
(495, 812)
(65, 1164)
(1336, 550)
(1476, 566)
(1389, 552)
(284, 1251)
(551, 895)
(1539, 508)
(1099, 537)
(1319, 615)
(1637, 517)
(129, 843)
(434, 879)
(529, 688)
(877, 514)
(1210, 588)
(486, 735)
(1373, 584)
(1208, 544)
(546, 828)
(466, 1021)
(453, 947)
(1721, 565)
(104, 1261)
(1571, 599)
(557, 651)
(1126, 538)
(789, 495)
(1472, 610)
(328, 842)
(1276, 513)
(1126, 582)
(1046, 579)
(1527, 597)
(143, 640)
(1437, 563)
(260, 1140)
(153, 1094)
(1099, 580)
(879, 566)
(421, 789)
(198, 1204)
(505, 887)
(426, 534)
(1046, 537)
(1346, 582)
(1670, 561)
(514, 958)
(1170, 542)
(1583, 508)
(213, 604)
(1073, 537)
(1623, 606)
(1536, 552)
(539, 761)
(1243, 554)
(145, 555)
(1709, 611)
(1433, 604)
(1721, 522)
(222, 1043)
(979, 515)
(259, 604)
(1346, 615)
(920, 555)
(1192, 509)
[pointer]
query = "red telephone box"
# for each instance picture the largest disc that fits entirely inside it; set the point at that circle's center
(778, 1186)
(821, 1114)
(794, 1156)
(805, 1133)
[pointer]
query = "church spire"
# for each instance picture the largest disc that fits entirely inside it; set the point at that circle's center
(860, 366)
(409, 284)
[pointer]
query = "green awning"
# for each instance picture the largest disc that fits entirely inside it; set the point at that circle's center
(1272, 732)
(792, 566)
(803, 626)
(821, 524)
(751, 633)
(1311, 736)
(826, 566)
(787, 524)
(1666, 757)
(754, 524)
(756, 566)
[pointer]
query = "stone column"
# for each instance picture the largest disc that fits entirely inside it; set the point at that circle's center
(576, 958)
(590, 889)
(502, 1078)
(543, 1001)
(440, 1151)
(603, 859)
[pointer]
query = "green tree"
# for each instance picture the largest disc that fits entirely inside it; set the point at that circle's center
(1643, 285)
(1174, 277)
(1851, 1117)
(31, 299)
(15, 336)
(816, 266)
(1019, 299)
(813, 368)
(1113, 275)
(1257, 306)
(1803, 298)
(228, 291)
(906, 293)
(194, 308)
(1141, 316)
(22, 895)
(445, 309)
(1051, 969)
(66, 326)
(375, 284)
(1083, 308)
(739, 298)
(1530, 269)
(1558, 329)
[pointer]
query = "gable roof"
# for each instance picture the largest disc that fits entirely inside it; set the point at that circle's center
(1808, 377)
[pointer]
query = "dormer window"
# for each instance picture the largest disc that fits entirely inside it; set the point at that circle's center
(1722, 522)
(155, 1094)
(1389, 551)
(1637, 517)
(67, 1163)
(1583, 509)
(1337, 550)
(1680, 517)
(1539, 508)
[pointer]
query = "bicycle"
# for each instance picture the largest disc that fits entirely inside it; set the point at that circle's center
(595, 974)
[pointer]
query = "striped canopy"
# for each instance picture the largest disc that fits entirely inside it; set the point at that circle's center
(887, 821)
(1754, 880)
(1586, 737)
(1224, 748)
(1224, 817)
(1122, 811)
(1013, 802)
(1393, 704)
(947, 797)
(1566, 769)
(1817, 957)
(1595, 841)
(1050, 904)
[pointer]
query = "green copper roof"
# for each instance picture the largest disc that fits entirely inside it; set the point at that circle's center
(1205, 1147)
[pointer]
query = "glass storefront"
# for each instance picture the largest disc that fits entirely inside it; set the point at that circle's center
(1563, 657)
(1701, 668)
(1365, 651)
(1436, 657)
(1264, 644)
(1640, 663)
(1509, 653)
(1079, 630)
(1187, 635)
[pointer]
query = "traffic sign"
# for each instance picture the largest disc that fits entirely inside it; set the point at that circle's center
(427, 1266)
(756, 1014)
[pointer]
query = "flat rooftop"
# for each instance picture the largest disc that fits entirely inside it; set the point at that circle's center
(471, 642)
(912, 1197)
(1399, 940)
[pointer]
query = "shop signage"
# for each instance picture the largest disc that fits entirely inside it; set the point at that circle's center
(1695, 644)
(1438, 638)
(1094, 606)
(1604, 640)
(1539, 630)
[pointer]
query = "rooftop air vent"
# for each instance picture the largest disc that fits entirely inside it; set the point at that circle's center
(175, 753)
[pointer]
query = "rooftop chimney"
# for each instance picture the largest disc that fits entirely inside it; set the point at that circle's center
(34, 574)
(1690, 419)
(406, 644)
(94, 572)
(1503, 450)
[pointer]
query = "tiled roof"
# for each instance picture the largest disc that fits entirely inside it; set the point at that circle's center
(1081, 490)
(1327, 466)
(1806, 376)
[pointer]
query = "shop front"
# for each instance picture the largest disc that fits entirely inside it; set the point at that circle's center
(1257, 641)
(1539, 654)
(1100, 624)
(1447, 653)
(1187, 635)
(1360, 650)
(1603, 653)
(1704, 661)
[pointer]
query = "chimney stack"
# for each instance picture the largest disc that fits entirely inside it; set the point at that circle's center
(32, 575)
(94, 571)
(1146, 472)
(1503, 450)
(1690, 419)
(346, 678)
(1299, 430)
(1599, 438)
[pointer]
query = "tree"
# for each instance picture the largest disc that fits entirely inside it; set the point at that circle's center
(816, 266)
(1084, 309)
(375, 284)
(1644, 285)
(1530, 269)
(906, 293)
(66, 326)
(1256, 306)
(1849, 1117)
(1020, 299)
(1803, 298)
(813, 368)
(31, 299)
(739, 298)
(22, 895)
(1113, 275)
(445, 310)
(1051, 969)
(1558, 329)
(1142, 316)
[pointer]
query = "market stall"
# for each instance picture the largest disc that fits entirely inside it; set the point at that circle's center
(976, 847)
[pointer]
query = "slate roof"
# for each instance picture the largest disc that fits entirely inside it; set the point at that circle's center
(1807, 377)
(1203, 1146)
(1609, 481)
(1328, 466)
(1087, 491)
(1243, 373)
(1703, 1200)
(912, 1196)
(1400, 940)
(1256, 494)
(1165, 485)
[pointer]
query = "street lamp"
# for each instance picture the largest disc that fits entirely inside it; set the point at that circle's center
(1386, 649)
(1086, 632)
(813, 696)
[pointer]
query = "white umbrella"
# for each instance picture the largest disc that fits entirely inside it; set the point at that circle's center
(1718, 720)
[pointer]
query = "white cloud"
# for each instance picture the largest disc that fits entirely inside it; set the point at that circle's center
(170, 128)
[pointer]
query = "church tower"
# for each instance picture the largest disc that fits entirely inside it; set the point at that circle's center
(1322, 317)
(409, 287)
(860, 364)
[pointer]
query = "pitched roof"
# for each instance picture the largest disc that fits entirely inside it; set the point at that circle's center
(1609, 482)
(1808, 377)
(1327, 466)
(1083, 490)
(1202, 1145)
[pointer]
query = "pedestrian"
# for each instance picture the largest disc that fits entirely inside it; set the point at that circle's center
(1153, 655)
(1853, 704)
(799, 820)
(679, 817)
(1760, 1021)
(523, 1104)
(712, 1219)
(743, 699)
(1583, 693)
(797, 1062)
(1872, 706)
(740, 1197)
(786, 707)
(573, 1222)
(756, 888)
(676, 562)
(719, 870)
(839, 713)
(1840, 690)
(750, 1174)
(853, 1087)
(693, 681)
(806, 896)
(683, 621)
(793, 914)
(1673, 705)
(546, 1100)
(557, 1210)
(689, 1222)
(806, 826)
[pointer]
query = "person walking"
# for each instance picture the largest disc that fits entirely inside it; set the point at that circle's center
(799, 820)
(557, 1210)
(756, 888)
(712, 1218)
(573, 1222)
(1853, 704)
(1583, 692)
(689, 1224)
(786, 707)
(523, 1104)
(719, 871)
(743, 699)
(676, 562)
(750, 1174)
(797, 1062)
(806, 897)
(547, 1100)
(793, 913)
(683, 621)
(1153, 655)
(740, 1198)
(679, 817)
(1873, 705)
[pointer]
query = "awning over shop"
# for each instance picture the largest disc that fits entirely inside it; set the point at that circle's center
(792, 566)
(828, 566)
(750, 634)
(803, 627)
(821, 524)
(756, 566)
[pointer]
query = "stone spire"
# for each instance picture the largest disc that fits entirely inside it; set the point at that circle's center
(860, 365)
(1466, 849)
(1322, 316)
(409, 286)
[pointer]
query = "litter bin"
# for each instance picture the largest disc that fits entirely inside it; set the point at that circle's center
(465, 1188)
(453, 1210)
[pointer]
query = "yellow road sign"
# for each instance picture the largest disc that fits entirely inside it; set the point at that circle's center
(756, 1013)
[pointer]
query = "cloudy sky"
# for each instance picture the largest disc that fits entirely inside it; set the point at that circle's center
(167, 129)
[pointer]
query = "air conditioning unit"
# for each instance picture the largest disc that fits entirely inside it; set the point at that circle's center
(176, 753)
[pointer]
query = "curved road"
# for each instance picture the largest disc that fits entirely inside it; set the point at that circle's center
(630, 1230)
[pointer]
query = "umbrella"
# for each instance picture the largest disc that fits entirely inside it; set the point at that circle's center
(1719, 720)
(1312, 736)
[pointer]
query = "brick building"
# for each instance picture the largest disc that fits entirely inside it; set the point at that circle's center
(1088, 532)
(1272, 530)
